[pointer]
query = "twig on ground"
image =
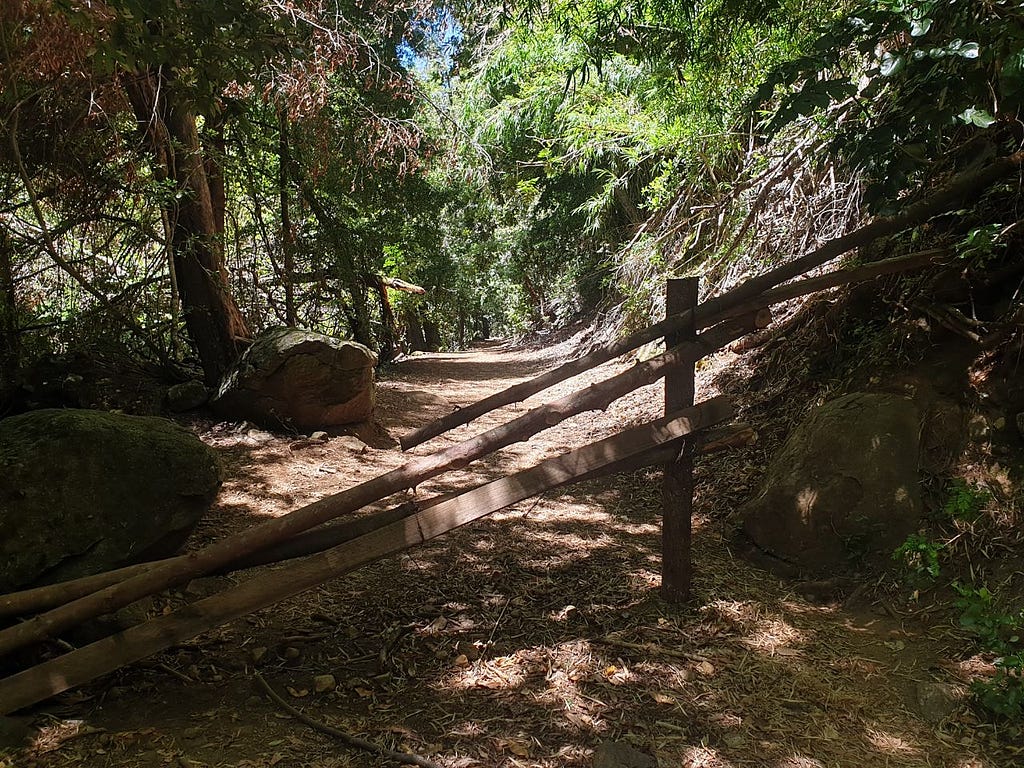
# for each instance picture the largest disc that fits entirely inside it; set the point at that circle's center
(497, 621)
(405, 758)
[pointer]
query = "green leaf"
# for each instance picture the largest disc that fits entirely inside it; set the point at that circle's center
(978, 117)
(891, 64)
(1012, 78)
(920, 27)
(970, 50)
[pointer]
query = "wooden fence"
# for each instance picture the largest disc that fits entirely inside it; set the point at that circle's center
(332, 550)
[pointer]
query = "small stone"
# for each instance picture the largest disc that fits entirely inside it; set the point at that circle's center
(291, 652)
(186, 396)
(617, 754)
(706, 668)
(999, 423)
(935, 701)
(324, 683)
(354, 444)
(320, 435)
(469, 650)
(461, 660)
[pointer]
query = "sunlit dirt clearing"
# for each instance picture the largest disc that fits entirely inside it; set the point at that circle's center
(525, 639)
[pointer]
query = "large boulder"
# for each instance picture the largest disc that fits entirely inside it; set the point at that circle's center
(299, 379)
(843, 491)
(86, 491)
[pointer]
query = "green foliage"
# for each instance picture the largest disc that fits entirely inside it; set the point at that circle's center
(982, 243)
(999, 632)
(581, 120)
(916, 74)
(919, 555)
(996, 631)
(1004, 693)
(965, 501)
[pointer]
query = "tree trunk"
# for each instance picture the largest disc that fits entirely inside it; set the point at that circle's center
(212, 318)
(389, 326)
(432, 334)
(287, 233)
(414, 332)
(362, 330)
(345, 267)
(10, 343)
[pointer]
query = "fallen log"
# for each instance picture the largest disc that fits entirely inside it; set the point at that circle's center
(104, 656)
(30, 601)
(311, 542)
(223, 552)
(724, 307)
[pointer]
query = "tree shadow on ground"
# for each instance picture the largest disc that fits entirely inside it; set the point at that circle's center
(529, 637)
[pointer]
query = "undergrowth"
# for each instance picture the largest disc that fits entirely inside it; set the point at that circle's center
(996, 626)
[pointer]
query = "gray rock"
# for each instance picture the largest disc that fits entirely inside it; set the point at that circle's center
(935, 701)
(299, 379)
(186, 396)
(354, 444)
(618, 754)
(844, 487)
(87, 491)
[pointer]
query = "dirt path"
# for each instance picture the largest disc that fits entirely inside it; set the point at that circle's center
(526, 639)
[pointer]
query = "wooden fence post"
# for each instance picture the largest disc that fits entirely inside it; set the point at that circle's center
(677, 485)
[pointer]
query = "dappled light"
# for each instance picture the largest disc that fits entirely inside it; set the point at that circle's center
(536, 633)
(591, 384)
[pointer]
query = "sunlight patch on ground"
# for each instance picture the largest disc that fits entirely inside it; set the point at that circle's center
(890, 743)
(761, 630)
(702, 757)
(774, 636)
(799, 761)
(644, 579)
(500, 673)
(572, 663)
(52, 735)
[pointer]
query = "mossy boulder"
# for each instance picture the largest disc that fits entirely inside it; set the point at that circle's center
(299, 379)
(85, 491)
(843, 492)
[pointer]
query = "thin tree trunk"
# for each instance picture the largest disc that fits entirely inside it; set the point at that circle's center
(214, 147)
(10, 342)
(414, 331)
(346, 269)
(287, 233)
(212, 318)
(389, 326)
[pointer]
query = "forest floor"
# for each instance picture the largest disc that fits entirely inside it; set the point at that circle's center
(530, 637)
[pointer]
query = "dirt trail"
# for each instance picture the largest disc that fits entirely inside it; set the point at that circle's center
(523, 640)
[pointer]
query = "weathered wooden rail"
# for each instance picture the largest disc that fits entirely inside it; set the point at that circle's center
(338, 549)
(84, 664)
